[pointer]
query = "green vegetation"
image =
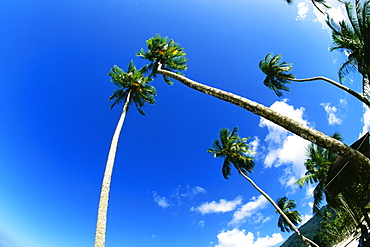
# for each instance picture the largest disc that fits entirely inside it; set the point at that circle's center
(167, 58)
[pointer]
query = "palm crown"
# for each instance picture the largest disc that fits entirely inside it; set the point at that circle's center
(235, 150)
(317, 164)
(165, 52)
(134, 83)
(293, 215)
(277, 75)
(353, 38)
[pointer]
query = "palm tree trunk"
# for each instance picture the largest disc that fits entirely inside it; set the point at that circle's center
(289, 124)
(366, 86)
(359, 96)
(101, 223)
(305, 240)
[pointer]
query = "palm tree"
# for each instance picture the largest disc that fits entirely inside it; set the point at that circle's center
(277, 77)
(318, 163)
(289, 124)
(293, 215)
(236, 151)
(354, 39)
(132, 88)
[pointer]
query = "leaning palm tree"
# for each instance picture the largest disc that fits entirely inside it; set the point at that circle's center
(177, 62)
(132, 88)
(293, 215)
(353, 38)
(318, 163)
(236, 152)
(278, 76)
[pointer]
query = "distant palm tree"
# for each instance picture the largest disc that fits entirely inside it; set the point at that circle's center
(177, 62)
(319, 160)
(236, 152)
(277, 77)
(132, 88)
(354, 39)
(293, 215)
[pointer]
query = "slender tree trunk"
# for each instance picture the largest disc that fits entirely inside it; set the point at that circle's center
(366, 86)
(101, 223)
(289, 124)
(305, 240)
(361, 97)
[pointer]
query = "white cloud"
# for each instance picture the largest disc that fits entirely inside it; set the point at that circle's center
(239, 238)
(331, 112)
(305, 218)
(283, 147)
(249, 210)
(309, 191)
(254, 144)
(218, 207)
(160, 200)
(302, 10)
(366, 121)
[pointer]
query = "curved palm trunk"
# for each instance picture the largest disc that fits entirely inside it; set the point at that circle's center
(359, 96)
(101, 223)
(305, 240)
(289, 124)
(366, 86)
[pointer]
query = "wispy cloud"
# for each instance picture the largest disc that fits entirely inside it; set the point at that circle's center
(283, 147)
(177, 196)
(160, 200)
(221, 206)
(239, 238)
(366, 120)
(331, 112)
(248, 210)
(302, 10)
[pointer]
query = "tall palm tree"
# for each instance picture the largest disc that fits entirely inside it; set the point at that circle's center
(277, 77)
(318, 163)
(289, 124)
(236, 152)
(293, 215)
(354, 39)
(132, 88)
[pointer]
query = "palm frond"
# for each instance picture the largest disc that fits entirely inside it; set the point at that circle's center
(133, 81)
(276, 72)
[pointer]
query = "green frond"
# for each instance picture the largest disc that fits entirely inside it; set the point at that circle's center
(133, 81)
(164, 51)
(310, 178)
(276, 72)
(234, 150)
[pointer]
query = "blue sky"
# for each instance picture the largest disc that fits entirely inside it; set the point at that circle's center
(166, 190)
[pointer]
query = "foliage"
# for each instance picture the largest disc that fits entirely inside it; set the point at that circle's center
(277, 75)
(353, 38)
(293, 215)
(234, 149)
(317, 164)
(165, 52)
(133, 81)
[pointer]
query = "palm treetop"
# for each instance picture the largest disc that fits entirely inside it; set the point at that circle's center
(277, 73)
(353, 37)
(165, 52)
(235, 150)
(286, 206)
(132, 83)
